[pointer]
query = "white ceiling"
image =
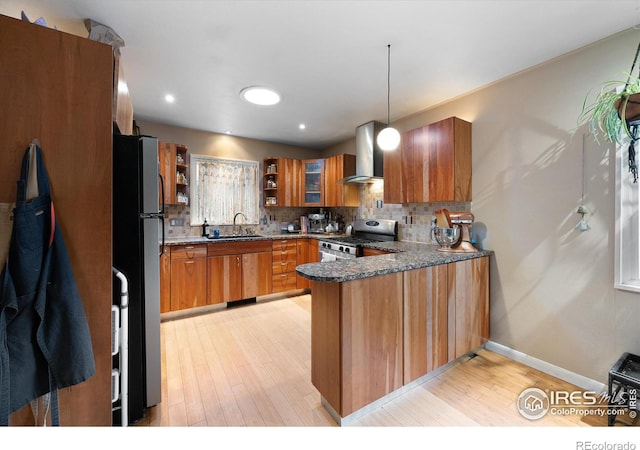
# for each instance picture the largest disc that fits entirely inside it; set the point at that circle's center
(328, 59)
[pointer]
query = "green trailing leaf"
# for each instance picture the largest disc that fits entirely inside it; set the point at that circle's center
(602, 116)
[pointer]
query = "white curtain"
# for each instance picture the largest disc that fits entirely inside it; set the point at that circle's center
(220, 188)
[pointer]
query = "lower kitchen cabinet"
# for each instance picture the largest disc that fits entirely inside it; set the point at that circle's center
(307, 253)
(446, 314)
(238, 270)
(188, 276)
(284, 254)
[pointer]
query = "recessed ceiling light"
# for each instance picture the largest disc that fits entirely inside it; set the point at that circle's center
(302, 126)
(260, 95)
(169, 98)
(227, 132)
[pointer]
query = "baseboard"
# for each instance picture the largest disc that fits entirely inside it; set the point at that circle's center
(548, 368)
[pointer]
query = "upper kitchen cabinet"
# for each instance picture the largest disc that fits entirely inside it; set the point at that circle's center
(281, 183)
(174, 168)
(313, 182)
(433, 164)
(335, 192)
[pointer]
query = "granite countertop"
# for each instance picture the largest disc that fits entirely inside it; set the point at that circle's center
(191, 240)
(406, 256)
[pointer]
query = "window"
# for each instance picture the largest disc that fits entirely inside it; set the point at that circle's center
(220, 188)
(627, 228)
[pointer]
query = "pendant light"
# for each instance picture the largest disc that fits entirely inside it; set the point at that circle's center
(389, 138)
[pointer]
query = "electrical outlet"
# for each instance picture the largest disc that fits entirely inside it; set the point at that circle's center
(378, 204)
(176, 222)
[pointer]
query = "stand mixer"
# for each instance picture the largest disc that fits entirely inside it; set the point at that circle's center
(464, 220)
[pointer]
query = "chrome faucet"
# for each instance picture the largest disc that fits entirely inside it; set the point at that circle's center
(234, 222)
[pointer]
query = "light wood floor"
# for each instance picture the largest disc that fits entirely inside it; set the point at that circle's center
(250, 366)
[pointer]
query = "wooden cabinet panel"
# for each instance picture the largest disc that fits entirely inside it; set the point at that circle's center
(284, 282)
(256, 274)
(372, 346)
(58, 88)
(165, 282)
(188, 283)
(224, 279)
(468, 305)
(425, 321)
(433, 164)
(335, 192)
(188, 251)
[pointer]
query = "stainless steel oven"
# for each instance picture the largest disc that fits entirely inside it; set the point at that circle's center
(364, 231)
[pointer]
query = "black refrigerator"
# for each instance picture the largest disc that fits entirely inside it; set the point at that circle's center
(138, 241)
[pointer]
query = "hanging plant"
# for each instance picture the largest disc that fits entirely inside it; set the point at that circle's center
(615, 113)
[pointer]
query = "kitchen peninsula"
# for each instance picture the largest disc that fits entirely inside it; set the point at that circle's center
(381, 324)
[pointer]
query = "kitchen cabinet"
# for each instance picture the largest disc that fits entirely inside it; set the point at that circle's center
(58, 87)
(447, 314)
(307, 253)
(188, 276)
(174, 168)
(335, 192)
(284, 261)
(165, 281)
(433, 164)
(356, 340)
(238, 270)
(282, 182)
(313, 182)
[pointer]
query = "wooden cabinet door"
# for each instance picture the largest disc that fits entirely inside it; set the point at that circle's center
(335, 192)
(303, 258)
(313, 182)
(425, 321)
(256, 274)
(188, 283)
(224, 279)
(449, 160)
(165, 282)
(167, 158)
(468, 305)
(394, 182)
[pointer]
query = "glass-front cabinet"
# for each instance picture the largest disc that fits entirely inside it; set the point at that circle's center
(313, 175)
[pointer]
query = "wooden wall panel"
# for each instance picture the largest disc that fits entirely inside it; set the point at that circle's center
(58, 88)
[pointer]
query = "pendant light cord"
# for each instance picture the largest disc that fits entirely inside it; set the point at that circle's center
(388, 83)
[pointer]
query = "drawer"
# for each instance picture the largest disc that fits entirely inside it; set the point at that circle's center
(284, 282)
(282, 265)
(238, 248)
(285, 245)
(188, 251)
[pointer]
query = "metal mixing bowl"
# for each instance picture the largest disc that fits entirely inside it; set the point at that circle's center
(447, 237)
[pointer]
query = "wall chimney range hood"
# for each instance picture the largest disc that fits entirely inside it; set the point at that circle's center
(369, 159)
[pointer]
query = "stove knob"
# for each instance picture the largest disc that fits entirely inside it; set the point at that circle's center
(324, 244)
(341, 248)
(348, 250)
(329, 246)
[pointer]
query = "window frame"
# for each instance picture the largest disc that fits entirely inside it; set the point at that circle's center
(196, 218)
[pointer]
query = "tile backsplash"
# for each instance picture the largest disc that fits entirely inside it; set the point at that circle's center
(414, 219)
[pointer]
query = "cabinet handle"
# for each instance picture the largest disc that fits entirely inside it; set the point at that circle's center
(238, 260)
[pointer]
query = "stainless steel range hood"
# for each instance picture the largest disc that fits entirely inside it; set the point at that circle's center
(369, 160)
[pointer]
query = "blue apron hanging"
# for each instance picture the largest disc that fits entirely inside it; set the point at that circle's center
(45, 342)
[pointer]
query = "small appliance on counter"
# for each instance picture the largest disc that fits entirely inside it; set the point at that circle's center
(317, 223)
(453, 233)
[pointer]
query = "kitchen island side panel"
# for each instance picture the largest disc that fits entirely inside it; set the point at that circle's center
(372, 339)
